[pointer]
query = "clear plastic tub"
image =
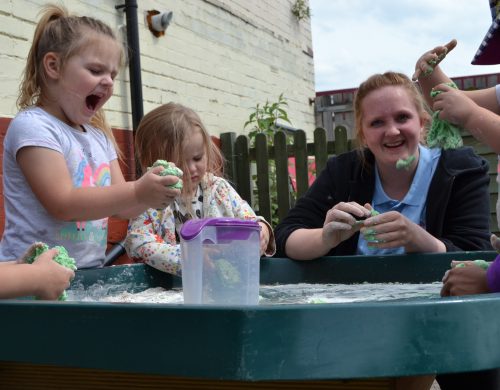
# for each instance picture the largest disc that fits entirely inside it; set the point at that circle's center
(220, 261)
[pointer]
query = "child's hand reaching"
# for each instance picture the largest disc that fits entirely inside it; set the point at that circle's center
(453, 105)
(264, 238)
(52, 278)
(495, 242)
(429, 60)
(466, 279)
(153, 190)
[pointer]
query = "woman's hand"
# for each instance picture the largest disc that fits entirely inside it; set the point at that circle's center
(342, 221)
(392, 229)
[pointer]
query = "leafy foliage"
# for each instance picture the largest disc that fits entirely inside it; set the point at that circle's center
(264, 119)
(301, 10)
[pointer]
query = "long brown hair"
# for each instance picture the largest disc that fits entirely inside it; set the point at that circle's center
(162, 134)
(59, 32)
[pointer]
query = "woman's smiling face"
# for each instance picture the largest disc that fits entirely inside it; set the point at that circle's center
(391, 125)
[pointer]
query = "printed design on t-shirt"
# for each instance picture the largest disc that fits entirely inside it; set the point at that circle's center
(96, 230)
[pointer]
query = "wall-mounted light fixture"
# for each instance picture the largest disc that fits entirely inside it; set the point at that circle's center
(158, 21)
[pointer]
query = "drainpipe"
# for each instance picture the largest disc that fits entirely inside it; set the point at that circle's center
(134, 65)
(134, 59)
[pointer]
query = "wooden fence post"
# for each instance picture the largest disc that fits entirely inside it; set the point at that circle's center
(262, 159)
(320, 149)
(341, 143)
(282, 177)
(243, 181)
(227, 149)
(300, 143)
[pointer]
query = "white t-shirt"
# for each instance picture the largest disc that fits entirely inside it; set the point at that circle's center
(88, 155)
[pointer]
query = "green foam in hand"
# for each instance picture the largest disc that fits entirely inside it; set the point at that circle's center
(61, 258)
(480, 263)
(442, 133)
(169, 169)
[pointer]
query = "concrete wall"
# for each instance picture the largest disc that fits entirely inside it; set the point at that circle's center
(220, 57)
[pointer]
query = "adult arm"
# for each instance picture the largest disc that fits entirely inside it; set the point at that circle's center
(323, 218)
(458, 211)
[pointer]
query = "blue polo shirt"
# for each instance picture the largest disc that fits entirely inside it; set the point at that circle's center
(414, 203)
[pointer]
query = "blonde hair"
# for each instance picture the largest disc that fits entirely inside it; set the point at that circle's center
(376, 82)
(162, 134)
(59, 32)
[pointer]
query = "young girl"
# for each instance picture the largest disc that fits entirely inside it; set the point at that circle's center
(175, 133)
(61, 174)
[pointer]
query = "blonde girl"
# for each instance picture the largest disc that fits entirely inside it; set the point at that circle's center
(176, 133)
(60, 170)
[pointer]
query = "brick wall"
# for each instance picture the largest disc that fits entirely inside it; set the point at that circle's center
(219, 57)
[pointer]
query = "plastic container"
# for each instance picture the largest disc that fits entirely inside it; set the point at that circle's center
(220, 261)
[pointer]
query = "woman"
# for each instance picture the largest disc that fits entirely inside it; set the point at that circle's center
(437, 201)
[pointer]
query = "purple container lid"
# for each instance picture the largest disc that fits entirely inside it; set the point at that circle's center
(193, 227)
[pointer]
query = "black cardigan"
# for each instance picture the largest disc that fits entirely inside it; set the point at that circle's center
(458, 202)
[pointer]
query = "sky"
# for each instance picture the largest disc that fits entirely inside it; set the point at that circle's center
(353, 39)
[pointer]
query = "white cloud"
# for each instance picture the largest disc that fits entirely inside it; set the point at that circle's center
(353, 39)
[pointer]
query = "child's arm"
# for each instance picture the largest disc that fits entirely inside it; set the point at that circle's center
(47, 173)
(151, 239)
(427, 70)
(44, 279)
(475, 111)
(135, 211)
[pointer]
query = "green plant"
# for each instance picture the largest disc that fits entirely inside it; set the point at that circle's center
(264, 119)
(301, 10)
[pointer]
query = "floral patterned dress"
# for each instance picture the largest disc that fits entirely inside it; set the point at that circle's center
(153, 237)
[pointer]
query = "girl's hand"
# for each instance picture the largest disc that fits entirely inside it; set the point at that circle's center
(470, 279)
(341, 222)
(264, 238)
(53, 278)
(454, 106)
(429, 60)
(152, 189)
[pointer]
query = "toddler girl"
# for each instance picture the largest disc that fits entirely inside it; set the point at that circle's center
(175, 133)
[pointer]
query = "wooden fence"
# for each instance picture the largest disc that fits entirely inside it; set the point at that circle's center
(240, 157)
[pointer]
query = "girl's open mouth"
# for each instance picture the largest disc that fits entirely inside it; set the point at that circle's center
(92, 101)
